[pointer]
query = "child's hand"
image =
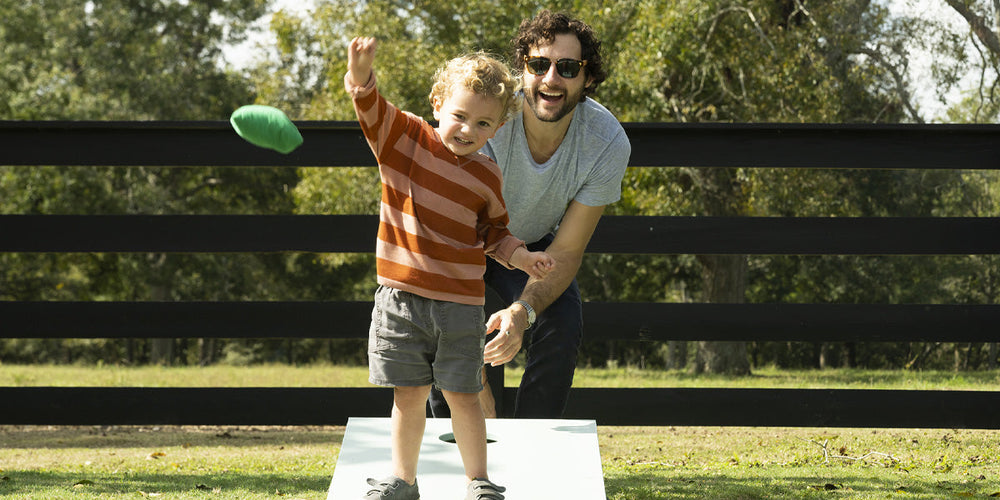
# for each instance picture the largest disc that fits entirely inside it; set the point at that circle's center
(543, 264)
(536, 264)
(360, 58)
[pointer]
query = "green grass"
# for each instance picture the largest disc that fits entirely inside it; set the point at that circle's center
(640, 463)
(168, 462)
(357, 376)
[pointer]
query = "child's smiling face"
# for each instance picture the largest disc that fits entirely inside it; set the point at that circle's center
(466, 120)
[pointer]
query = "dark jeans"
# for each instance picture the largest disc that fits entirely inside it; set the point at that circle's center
(551, 345)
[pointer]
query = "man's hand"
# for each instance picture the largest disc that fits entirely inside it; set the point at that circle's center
(511, 322)
(567, 252)
(360, 58)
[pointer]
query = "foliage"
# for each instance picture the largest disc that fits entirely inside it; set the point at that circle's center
(118, 59)
(122, 60)
(691, 61)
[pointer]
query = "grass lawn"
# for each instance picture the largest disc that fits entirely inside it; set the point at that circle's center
(640, 463)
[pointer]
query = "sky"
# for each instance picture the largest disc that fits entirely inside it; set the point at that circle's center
(920, 63)
(243, 55)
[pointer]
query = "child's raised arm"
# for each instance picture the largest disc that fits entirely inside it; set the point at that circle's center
(536, 264)
(360, 59)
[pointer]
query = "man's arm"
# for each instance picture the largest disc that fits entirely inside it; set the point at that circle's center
(567, 249)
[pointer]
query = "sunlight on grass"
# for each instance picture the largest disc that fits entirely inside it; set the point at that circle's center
(275, 375)
(770, 377)
(640, 463)
(167, 462)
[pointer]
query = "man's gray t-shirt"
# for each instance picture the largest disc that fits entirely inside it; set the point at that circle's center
(588, 167)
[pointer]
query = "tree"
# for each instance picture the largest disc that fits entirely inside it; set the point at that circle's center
(126, 60)
(688, 61)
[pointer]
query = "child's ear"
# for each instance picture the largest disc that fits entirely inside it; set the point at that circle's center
(436, 104)
(492, 135)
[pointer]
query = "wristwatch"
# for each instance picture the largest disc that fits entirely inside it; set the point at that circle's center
(531, 312)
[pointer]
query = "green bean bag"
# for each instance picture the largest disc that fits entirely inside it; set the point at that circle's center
(267, 127)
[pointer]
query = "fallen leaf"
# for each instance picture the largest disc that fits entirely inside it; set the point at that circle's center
(155, 455)
(82, 482)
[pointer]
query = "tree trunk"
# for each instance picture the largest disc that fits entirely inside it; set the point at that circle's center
(206, 351)
(161, 351)
(851, 355)
(724, 276)
(725, 282)
(676, 354)
(822, 355)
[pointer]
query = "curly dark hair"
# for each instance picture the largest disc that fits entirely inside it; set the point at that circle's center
(545, 26)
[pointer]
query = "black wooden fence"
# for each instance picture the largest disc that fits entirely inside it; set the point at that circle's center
(340, 144)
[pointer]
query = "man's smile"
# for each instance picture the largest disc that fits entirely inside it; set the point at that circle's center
(550, 96)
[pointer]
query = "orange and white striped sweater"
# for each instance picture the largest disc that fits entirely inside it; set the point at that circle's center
(441, 214)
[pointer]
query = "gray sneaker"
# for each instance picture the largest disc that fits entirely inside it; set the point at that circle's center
(392, 488)
(484, 489)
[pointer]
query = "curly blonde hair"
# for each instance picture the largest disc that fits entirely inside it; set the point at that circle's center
(482, 74)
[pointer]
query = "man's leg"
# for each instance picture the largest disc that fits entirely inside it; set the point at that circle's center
(551, 344)
(551, 358)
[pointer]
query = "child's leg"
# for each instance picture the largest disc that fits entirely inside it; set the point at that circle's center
(470, 432)
(409, 416)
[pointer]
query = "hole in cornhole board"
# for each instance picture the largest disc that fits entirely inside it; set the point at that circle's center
(449, 437)
(558, 449)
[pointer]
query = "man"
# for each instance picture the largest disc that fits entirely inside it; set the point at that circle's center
(563, 158)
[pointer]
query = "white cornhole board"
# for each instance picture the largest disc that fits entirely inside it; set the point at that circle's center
(532, 458)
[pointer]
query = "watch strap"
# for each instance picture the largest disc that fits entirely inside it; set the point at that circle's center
(531, 311)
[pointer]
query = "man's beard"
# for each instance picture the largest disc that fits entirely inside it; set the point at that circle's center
(569, 102)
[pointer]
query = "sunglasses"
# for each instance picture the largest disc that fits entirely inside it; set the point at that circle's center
(566, 68)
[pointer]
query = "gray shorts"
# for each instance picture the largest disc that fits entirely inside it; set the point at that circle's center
(415, 341)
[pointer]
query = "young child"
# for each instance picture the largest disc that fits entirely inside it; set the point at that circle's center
(442, 213)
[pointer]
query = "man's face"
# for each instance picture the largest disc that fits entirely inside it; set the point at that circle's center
(552, 96)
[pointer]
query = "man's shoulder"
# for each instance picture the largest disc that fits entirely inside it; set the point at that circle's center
(506, 131)
(596, 120)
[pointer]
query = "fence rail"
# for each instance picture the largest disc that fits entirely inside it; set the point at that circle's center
(83, 144)
(638, 321)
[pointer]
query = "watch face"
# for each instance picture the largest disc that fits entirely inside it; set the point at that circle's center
(531, 312)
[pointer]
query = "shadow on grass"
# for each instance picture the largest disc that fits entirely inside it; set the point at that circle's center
(32, 437)
(232, 485)
(842, 484)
